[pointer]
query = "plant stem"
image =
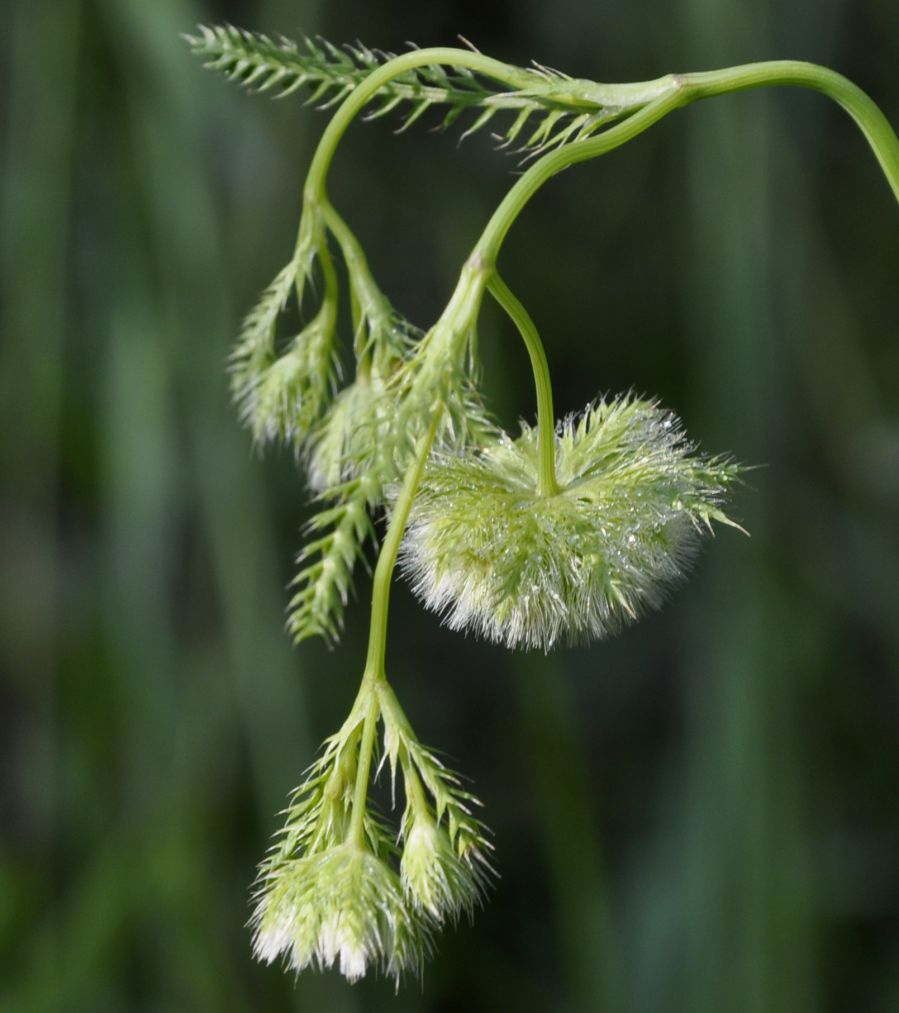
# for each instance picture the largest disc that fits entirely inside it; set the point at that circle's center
(356, 265)
(356, 832)
(329, 275)
(864, 111)
(380, 596)
(374, 678)
(511, 206)
(353, 104)
(660, 97)
(681, 90)
(668, 94)
(546, 422)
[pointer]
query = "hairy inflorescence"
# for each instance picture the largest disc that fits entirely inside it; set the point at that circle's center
(492, 554)
(329, 895)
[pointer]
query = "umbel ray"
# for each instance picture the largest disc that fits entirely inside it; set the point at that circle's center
(566, 531)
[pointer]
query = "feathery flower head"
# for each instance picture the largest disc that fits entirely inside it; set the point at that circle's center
(488, 551)
(436, 878)
(343, 907)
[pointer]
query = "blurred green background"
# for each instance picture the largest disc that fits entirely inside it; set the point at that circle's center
(701, 816)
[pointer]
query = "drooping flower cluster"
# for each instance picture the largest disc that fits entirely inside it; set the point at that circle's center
(497, 540)
(340, 888)
(486, 550)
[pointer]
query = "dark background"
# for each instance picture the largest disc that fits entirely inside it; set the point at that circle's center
(700, 816)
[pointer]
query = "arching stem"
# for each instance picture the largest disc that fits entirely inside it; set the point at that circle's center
(546, 421)
(362, 94)
(861, 107)
(683, 89)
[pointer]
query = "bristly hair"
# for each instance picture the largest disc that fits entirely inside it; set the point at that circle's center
(489, 553)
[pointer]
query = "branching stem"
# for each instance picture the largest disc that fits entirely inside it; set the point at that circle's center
(356, 101)
(374, 679)
(669, 93)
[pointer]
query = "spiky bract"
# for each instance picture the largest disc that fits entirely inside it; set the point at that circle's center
(322, 585)
(491, 554)
(545, 107)
(326, 897)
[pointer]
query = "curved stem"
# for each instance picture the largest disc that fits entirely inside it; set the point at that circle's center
(681, 90)
(349, 245)
(549, 165)
(328, 308)
(380, 596)
(357, 266)
(546, 422)
(864, 111)
(353, 104)
(660, 97)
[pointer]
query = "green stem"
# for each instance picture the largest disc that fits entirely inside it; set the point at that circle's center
(356, 832)
(670, 93)
(660, 97)
(329, 274)
(546, 421)
(380, 596)
(374, 679)
(349, 245)
(357, 268)
(864, 111)
(511, 206)
(362, 94)
(680, 90)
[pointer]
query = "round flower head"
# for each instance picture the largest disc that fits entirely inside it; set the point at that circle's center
(489, 552)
